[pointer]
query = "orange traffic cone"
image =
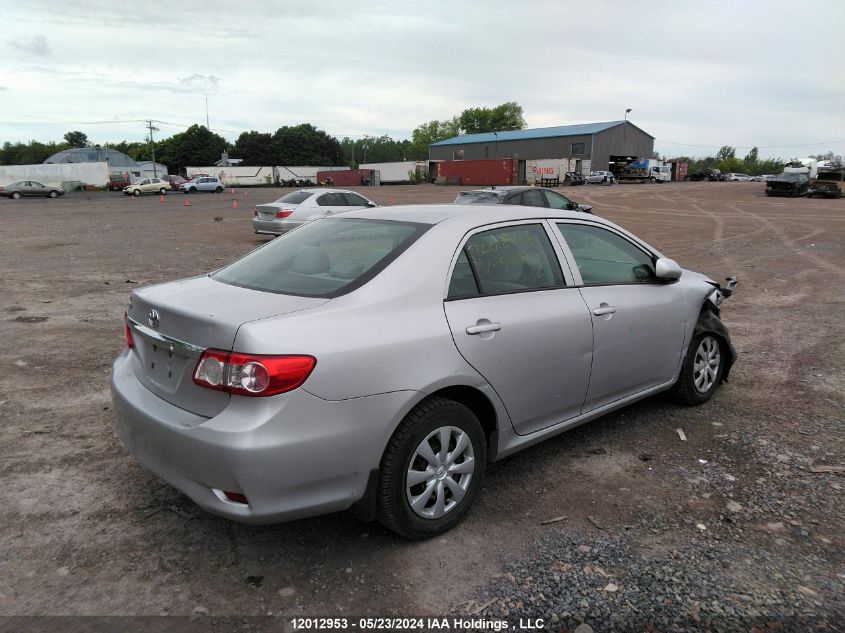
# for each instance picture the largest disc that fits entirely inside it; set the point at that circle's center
(187, 203)
(234, 204)
(161, 197)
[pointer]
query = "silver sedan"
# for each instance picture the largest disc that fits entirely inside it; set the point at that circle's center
(378, 360)
(299, 207)
(31, 189)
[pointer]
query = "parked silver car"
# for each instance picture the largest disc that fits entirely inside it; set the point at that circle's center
(30, 189)
(299, 207)
(380, 358)
(598, 177)
(205, 183)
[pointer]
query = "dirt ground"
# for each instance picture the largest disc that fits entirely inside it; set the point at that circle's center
(86, 530)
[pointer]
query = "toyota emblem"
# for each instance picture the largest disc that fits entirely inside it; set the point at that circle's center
(153, 319)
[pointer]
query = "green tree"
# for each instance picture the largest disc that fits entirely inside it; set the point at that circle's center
(304, 144)
(76, 139)
(725, 153)
(196, 146)
(507, 116)
(31, 153)
(254, 148)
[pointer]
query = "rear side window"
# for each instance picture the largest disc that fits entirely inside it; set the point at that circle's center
(354, 200)
(604, 257)
(332, 200)
(326, 258)
(507, 259)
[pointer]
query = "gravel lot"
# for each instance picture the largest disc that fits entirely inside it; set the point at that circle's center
(740, 525)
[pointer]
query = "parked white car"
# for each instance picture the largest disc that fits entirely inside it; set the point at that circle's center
(305, 205)
(738, 178)
(600, 177)
(205, 183)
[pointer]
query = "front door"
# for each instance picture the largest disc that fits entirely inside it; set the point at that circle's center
(638, 321)
(518, 322)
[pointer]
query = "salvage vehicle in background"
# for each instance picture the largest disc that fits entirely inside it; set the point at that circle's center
(526, 196)
(601, 177)
(209, 184)
(30, 189)
(379, 359)
(732, 177)
(297, 208)
(829, 182)
(645, 170)
(704, 174)
(788, 184)
(147, 185)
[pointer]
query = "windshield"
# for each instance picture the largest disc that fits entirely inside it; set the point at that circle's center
(296, 197)
(477, 197)
(325, 258)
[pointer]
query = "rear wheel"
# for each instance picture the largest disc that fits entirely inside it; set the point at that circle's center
(15, 195)
(702, 370)
(431, 470)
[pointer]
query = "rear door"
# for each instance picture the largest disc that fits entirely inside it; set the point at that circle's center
(638, 320)
(517, 319)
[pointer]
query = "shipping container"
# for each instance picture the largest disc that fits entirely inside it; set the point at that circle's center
(394, 173)
(500, 171)
(349, 177)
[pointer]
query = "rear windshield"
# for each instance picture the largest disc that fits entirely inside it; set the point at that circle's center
(477, 197)
(326, 258)
(296, 197)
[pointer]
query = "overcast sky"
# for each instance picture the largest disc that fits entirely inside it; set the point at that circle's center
(697, 75)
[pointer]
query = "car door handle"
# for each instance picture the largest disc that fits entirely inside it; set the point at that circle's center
(604, 309)
(485, 327)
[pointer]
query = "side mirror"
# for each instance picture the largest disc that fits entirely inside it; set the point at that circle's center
(372, 204)
(584, 208)
(666, 268)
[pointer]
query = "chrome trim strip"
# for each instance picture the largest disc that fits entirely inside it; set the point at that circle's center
(174, 344)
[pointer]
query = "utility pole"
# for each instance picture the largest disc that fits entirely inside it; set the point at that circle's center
(152, 145)
(205, 91)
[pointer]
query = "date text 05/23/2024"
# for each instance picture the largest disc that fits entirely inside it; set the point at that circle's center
(410, 624)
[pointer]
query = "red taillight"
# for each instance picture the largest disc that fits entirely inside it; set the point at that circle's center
(237, 497)
(130, 343)
(283, 214)
(251, 374)
(255, 213)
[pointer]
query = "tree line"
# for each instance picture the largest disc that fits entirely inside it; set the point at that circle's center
(727, 162)
(302, 144)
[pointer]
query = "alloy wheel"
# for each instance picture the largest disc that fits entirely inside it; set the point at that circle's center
(706, 364)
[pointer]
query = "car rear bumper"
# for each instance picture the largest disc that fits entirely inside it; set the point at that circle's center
(294, 455)
(274, 227)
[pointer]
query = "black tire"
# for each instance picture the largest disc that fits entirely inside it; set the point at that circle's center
(137, 192)
(16, 195)
(192, 190)
(162, 192)
(685, 390)
(394, 509)
(218, 190)
(53, 194)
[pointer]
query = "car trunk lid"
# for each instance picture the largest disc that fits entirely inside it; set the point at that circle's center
(268, 211)
(173, 323)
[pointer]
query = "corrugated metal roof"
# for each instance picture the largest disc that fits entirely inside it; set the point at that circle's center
(540, 132)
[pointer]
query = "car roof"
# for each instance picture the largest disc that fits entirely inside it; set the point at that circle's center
(327, 190)
(468, 215)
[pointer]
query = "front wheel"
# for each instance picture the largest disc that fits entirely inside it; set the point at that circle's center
(431, 469)
(54, 194)
(137, 192)
(162, 191)
(702, 370)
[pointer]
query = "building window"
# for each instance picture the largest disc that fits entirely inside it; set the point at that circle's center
(457, 154)
(577, 149)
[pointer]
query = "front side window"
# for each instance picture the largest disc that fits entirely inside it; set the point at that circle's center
(604, 257)
(507, 259)
(354, 200)
(557, 201)
(531, 198)
(326, 258)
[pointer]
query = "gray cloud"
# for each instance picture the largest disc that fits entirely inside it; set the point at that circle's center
(36, 45)
(199, 80)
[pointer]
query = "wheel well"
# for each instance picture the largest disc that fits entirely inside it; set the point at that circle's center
(479, 404)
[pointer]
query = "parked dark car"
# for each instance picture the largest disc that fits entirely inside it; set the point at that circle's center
(574, 178)
(788, 184)
(526, 196)
(704, 174)
(829, 183)
(30, 189)
(174, 181)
